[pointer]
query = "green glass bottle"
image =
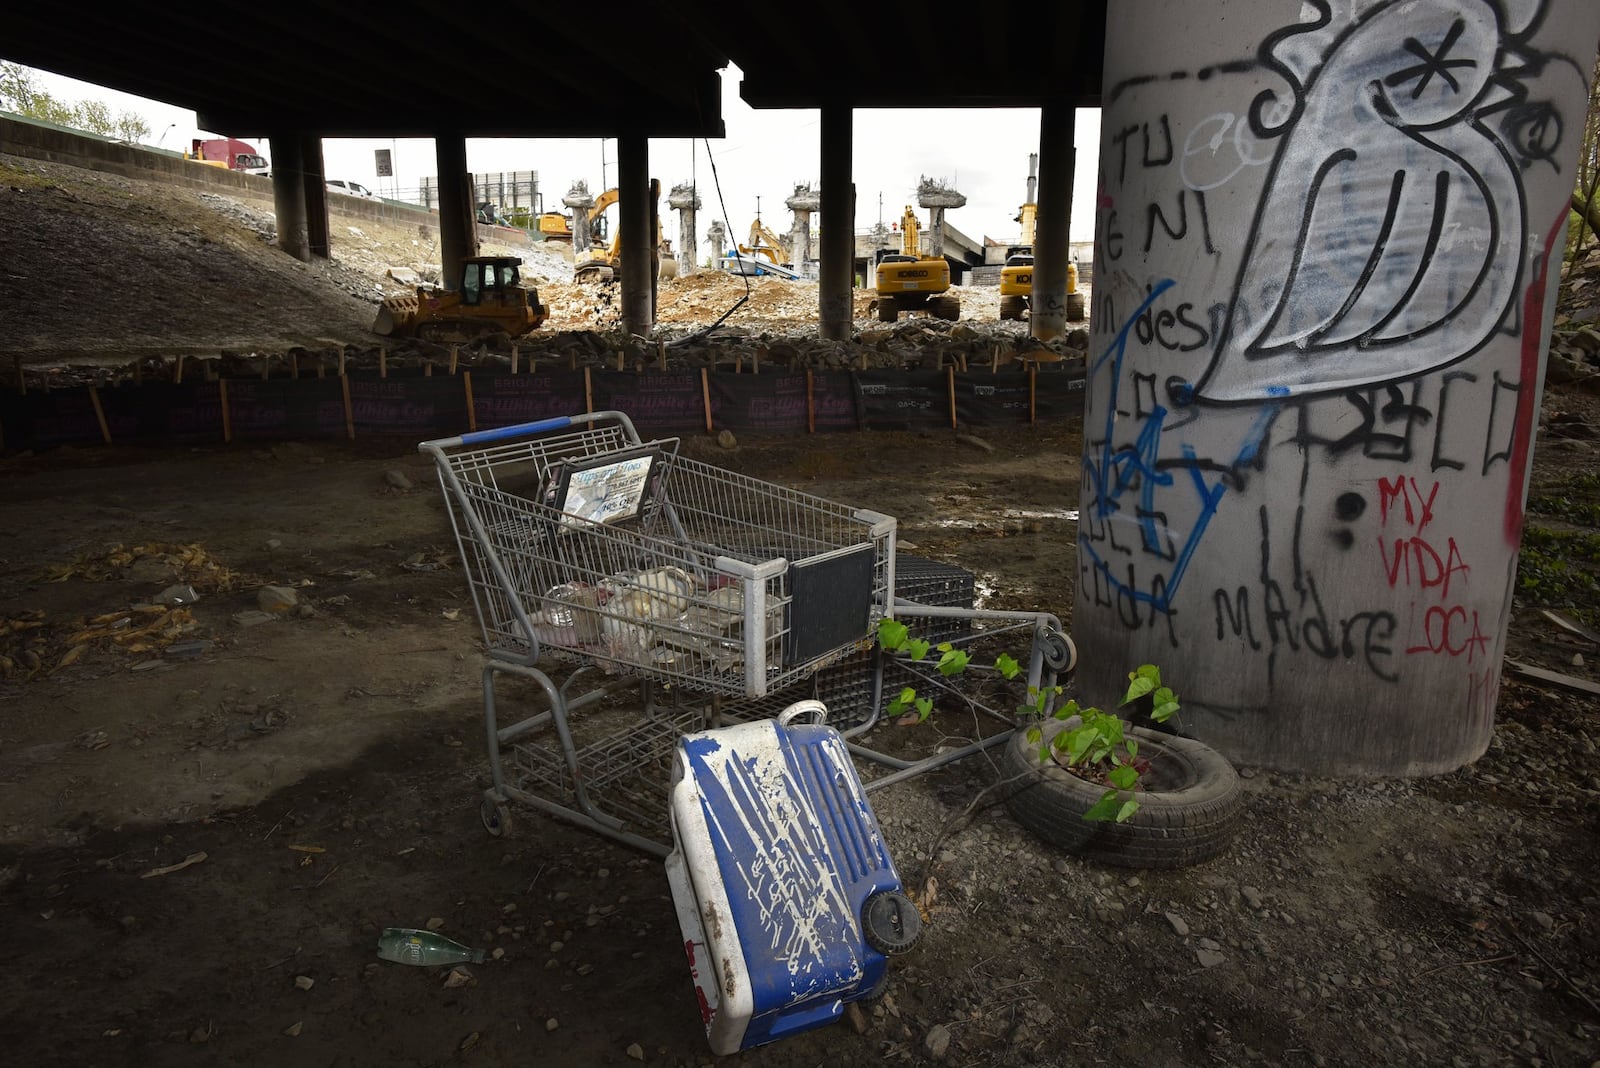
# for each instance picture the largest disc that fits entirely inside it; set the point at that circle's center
(406, 945)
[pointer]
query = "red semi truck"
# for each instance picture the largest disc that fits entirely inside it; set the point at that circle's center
(229, 152)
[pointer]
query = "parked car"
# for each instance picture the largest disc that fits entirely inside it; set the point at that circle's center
(355, 189)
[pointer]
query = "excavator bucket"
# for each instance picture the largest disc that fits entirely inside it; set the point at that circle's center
(396, 316)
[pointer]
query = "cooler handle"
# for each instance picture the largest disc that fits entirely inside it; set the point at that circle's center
(809, 707)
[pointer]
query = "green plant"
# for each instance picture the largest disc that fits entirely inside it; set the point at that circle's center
(1098, 749)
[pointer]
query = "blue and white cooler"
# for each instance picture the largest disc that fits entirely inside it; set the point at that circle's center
(786, 895)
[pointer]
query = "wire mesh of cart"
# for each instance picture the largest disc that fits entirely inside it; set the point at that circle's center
(643, 568)
(977, 710)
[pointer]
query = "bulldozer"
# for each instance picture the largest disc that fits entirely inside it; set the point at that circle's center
(909, 281)
(490, 299)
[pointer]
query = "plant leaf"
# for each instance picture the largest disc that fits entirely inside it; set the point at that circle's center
(1079, 742)
(924, 707)
(1123, 776)
(1166, 703)
(953, 661)
(1105, 809)
(1129, 807)
(902, 701)
(916, 648)
(1007, 666)
(892, 633)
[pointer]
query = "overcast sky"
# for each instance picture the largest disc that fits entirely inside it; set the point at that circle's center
(981, 153)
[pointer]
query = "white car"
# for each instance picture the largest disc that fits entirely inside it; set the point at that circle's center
(355, 189)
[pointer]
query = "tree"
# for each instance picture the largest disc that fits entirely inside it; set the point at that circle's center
(132, 128)
(17, 91)
(1585, 223)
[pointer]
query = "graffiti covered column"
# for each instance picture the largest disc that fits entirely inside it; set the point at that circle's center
(1322, 298)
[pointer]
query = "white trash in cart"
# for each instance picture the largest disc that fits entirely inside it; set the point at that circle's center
(787, 898)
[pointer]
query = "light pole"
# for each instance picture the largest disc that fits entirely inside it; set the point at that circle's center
(170, 127)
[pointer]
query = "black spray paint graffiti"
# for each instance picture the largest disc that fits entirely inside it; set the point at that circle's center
(1388, 243)
(1389, 239)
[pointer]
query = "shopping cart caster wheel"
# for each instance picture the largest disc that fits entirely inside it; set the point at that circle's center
(1060, 655)
(891, 923)
(496, 818)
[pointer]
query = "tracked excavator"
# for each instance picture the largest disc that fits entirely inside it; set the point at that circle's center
(490, 299)
(909, 281)
(601, 264)
(1016, 277)
(764, 245)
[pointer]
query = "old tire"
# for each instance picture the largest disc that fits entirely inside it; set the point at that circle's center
(888, 312)
(1076, 309)
(946, 308)
(1189, 807)
(1011, 308)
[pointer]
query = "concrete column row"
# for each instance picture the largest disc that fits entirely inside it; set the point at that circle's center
(300, 200)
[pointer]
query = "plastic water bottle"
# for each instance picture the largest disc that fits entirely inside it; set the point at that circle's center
(406, 945)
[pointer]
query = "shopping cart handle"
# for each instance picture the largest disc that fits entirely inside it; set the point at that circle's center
(500, 433)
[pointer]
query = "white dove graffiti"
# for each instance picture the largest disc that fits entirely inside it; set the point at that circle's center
(1389, 239)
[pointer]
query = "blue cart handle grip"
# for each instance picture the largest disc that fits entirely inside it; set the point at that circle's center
(481, 437)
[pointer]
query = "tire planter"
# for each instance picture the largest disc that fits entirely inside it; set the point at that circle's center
(1190, 801)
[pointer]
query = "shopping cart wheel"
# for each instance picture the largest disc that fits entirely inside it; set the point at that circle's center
(496, 817)
(1060, 655)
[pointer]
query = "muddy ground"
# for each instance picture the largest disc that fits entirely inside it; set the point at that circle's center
(205, 825)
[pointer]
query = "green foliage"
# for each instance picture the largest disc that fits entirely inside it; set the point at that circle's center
(1575, 498)
(1098, 749)
(1555, 569)
(1559, 566)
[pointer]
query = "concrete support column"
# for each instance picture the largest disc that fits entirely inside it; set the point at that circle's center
(936, 231)
(838, 225)
(318, 231)
(579, 202)
(458, 227)
(1327, 243)
(1052, 251)
(636, 218)
(717, 237)
(289, 195)
(686, 200)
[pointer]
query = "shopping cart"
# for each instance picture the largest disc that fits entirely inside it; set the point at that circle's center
(622, 567)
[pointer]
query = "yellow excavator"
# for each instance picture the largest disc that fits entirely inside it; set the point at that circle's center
(764, 245)
(491, 298)
(1016, 277)
(909, 281)
(601, 264)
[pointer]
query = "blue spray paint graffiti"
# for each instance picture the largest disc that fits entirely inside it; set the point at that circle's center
(1115, 471)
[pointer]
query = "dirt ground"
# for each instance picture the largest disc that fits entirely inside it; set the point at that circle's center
(207, 817)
